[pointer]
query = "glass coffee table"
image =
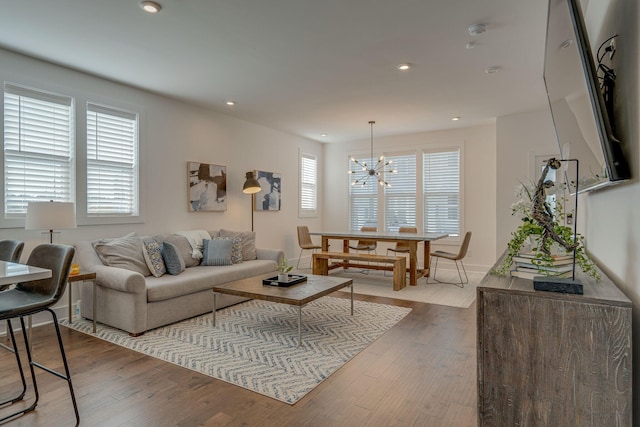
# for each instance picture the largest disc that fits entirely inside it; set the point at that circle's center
(299, 294)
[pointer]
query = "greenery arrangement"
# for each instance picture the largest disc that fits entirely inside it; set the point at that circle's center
(526, 234)
(283, 266)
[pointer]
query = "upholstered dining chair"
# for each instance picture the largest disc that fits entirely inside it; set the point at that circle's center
(10, 250)
(29, 298)
(459, 256)
(305, 242)
(365, 245)
(402, 247)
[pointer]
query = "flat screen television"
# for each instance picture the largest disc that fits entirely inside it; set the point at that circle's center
(582, 123)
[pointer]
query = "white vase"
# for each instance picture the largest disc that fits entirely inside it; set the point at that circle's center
(283, 277)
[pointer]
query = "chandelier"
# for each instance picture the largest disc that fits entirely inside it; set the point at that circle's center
(369, 172)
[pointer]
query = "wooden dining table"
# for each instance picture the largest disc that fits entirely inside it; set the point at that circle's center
(411, 239)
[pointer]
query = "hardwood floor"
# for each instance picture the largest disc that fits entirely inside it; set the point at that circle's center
(420, 373)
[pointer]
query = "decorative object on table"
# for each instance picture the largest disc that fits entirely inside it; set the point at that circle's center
(207, 187)
(283, 270)
(269, 196)
(285, 281)
(542, 255)
(251, 186)
(50, 216)
(372, 171)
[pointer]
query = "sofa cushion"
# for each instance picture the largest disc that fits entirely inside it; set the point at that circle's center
(201, 278)
(172, 258)
(123, 252)
(152, 253)
(217, 252)
(248, 242)
(183, 246)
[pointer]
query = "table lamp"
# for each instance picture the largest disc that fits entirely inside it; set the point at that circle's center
(50, 216)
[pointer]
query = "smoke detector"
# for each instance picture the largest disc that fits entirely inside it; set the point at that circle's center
(477, 29)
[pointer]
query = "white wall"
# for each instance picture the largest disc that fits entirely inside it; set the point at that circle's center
(520, 138)
(479, 170)
(614, 214)
(172, 133)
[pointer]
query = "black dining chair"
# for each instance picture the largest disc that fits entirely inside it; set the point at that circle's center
(29, 298)
(10, 250)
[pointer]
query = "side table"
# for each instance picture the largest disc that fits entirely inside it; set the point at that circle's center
(81, 277)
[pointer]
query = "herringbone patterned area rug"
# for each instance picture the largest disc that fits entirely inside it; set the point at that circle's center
(254, 344)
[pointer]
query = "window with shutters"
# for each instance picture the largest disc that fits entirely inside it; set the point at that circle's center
(308, 185)
(427, 182)
(39, 147)
(112, 165)
(400, 196)
(441, 191)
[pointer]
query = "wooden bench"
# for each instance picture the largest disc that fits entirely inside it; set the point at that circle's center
(321, 264)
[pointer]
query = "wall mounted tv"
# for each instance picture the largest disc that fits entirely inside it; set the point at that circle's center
(582, 123)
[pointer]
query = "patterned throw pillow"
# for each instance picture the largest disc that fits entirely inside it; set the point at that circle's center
(153, 256)
(217, 252)
(172, 258)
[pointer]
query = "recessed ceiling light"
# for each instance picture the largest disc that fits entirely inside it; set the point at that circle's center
(230, 103)
(323, 135)
(477, 29)
(455, 119)
(492, 70)
(150, 6)
(403, 67)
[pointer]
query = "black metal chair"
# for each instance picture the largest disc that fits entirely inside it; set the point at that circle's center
(10, 250)
(29, 298)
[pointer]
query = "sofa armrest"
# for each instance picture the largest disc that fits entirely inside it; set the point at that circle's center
(120, 279)
(270, 254)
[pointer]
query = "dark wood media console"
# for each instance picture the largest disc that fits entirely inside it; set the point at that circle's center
(551, 359)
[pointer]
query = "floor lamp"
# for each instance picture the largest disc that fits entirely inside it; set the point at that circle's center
(251, 186)
(50, 216)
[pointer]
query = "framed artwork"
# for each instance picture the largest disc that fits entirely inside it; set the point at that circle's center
(207, 187)
(268, 199)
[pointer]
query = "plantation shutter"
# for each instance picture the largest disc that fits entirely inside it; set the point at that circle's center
(363, 201)
(112, 148)
(441, 187)
(38, 148)
(308, 184)
(400, 196)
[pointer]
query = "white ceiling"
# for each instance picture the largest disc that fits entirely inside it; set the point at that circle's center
(303, 66)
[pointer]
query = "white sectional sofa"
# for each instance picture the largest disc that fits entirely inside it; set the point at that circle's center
(135, 302)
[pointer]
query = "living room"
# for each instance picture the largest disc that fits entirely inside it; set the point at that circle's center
(497, 156)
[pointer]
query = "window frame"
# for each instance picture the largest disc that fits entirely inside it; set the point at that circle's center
(80, 168)
(302, 212)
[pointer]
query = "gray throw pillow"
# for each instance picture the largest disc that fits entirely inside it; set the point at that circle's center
(172, 259)
(217, 252)
(248, 242)
(184, 248)
(123, 252)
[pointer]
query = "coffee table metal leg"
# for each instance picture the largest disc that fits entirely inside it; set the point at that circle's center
(214, 308)
(95, 305)
(299, 326)
(352, 299)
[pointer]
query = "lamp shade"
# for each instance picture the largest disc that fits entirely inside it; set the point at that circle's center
(50, 216)
(251, 185)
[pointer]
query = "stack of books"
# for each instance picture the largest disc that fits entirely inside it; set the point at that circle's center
(562, 266)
